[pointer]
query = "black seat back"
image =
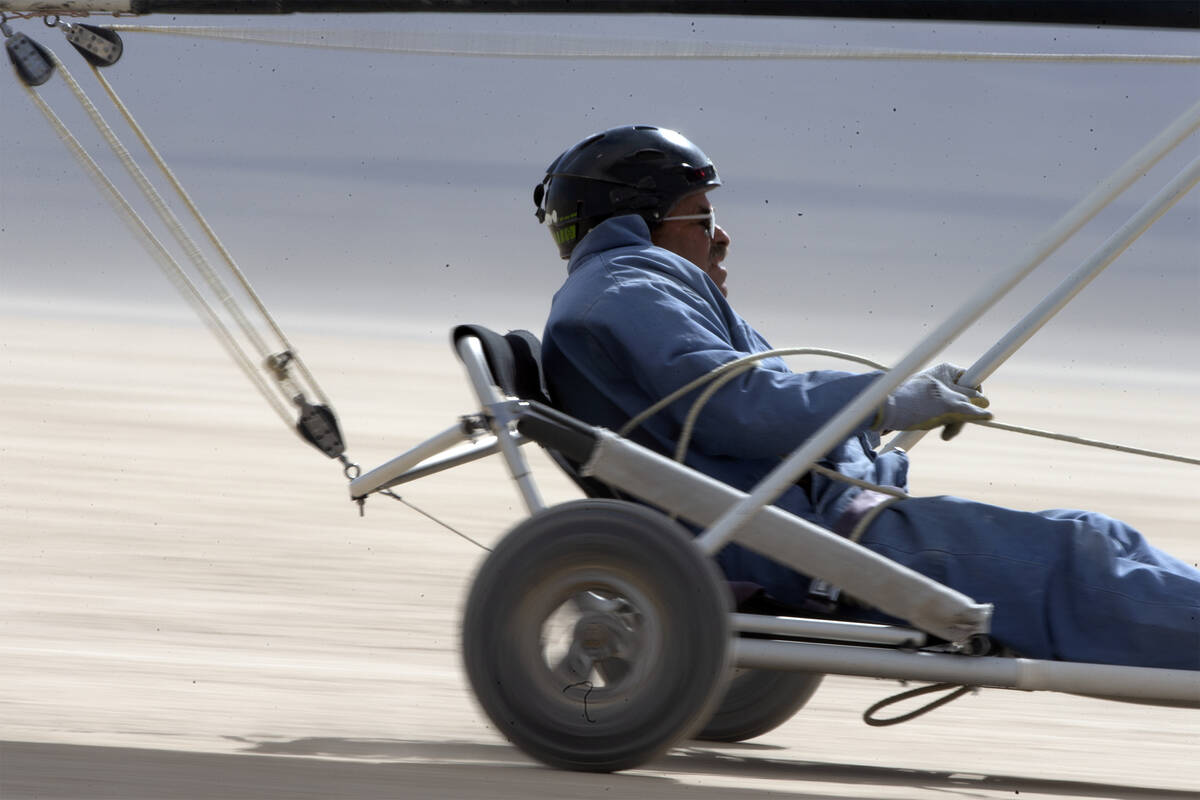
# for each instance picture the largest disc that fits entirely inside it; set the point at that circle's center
(515, 361)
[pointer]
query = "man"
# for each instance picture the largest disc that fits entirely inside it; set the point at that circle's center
(643, 312)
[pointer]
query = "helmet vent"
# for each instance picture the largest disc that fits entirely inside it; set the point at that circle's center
(648, 154)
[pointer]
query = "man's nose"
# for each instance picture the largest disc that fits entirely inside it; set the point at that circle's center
(720, 238)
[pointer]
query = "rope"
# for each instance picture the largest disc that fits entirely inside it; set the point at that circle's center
(197, 258)
(1062, 437)
(735, 364)
(899, 494)
(879, 722)
(730, 371)
(726, 372)
(169, 266)
(482, 45)
(559, 46)
(284, 388)
(859, 529)
(211, 277)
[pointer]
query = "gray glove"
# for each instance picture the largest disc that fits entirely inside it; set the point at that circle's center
(931, 399)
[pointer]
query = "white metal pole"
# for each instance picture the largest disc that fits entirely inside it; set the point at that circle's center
(830, 630)
(376, 478)
(471, 351)
(1138, 684)
(1072, 285)
(865, 405)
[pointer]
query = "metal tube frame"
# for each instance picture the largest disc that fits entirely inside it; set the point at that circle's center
(1174, 687)
(501, 411)
(392, 472)
(418, 462)
(499, 414)
(1072, 285)
(865, 405)
(830, 630)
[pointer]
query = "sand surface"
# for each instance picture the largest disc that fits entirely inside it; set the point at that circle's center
(191, 608)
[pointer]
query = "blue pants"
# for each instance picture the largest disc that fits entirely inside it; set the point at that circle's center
(1068, 585)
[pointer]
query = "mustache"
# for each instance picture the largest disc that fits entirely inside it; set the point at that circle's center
(717, 252)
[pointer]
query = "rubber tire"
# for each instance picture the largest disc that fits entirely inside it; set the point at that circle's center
(758, 701)
(676, 678)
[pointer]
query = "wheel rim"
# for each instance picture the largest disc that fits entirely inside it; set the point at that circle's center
(596, 635)
(588, 640)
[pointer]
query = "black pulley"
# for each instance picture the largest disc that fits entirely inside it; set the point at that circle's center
(319, 427)
(100, 46)
(33, 63)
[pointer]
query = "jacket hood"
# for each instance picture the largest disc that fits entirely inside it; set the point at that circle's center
(629, 230)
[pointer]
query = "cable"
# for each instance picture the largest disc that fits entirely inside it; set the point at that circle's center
(494, 45)
(561, 46)
(955, 692)
(732, 370)
(169, 266)
(735, 364)
(212, 278)
(394, 496)
(317, 423)
(1062, 437)
(197, 258)
(723, 374)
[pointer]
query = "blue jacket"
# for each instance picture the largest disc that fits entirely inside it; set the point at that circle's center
(633, 322)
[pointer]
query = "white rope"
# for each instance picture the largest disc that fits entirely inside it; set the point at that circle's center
(1062, 437)
(741, 365)
(156, 200)
(718, 377)
(278, 393)
(726, 372)
(214, 281)
(833, 474)
(495, 45)
(193, 251)
(142, 232)
(555, 46)
(734, 365)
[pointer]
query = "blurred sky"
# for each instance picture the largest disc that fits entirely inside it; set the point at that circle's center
(866, 200)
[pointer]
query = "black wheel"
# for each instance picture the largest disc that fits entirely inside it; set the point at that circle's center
(757, 701)
(596, 635)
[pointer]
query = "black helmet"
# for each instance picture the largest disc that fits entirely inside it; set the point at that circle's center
(635, 169)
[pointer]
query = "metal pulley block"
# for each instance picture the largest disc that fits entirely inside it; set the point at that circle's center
(317, 424)
(319, 427)
(100, 46)
(34, 64)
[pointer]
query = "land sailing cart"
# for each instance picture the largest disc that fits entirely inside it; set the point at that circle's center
(599, 631)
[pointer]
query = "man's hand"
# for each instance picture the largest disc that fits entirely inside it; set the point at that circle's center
(931, 399)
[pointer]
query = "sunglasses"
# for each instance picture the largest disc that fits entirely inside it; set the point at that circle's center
(709, 221)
